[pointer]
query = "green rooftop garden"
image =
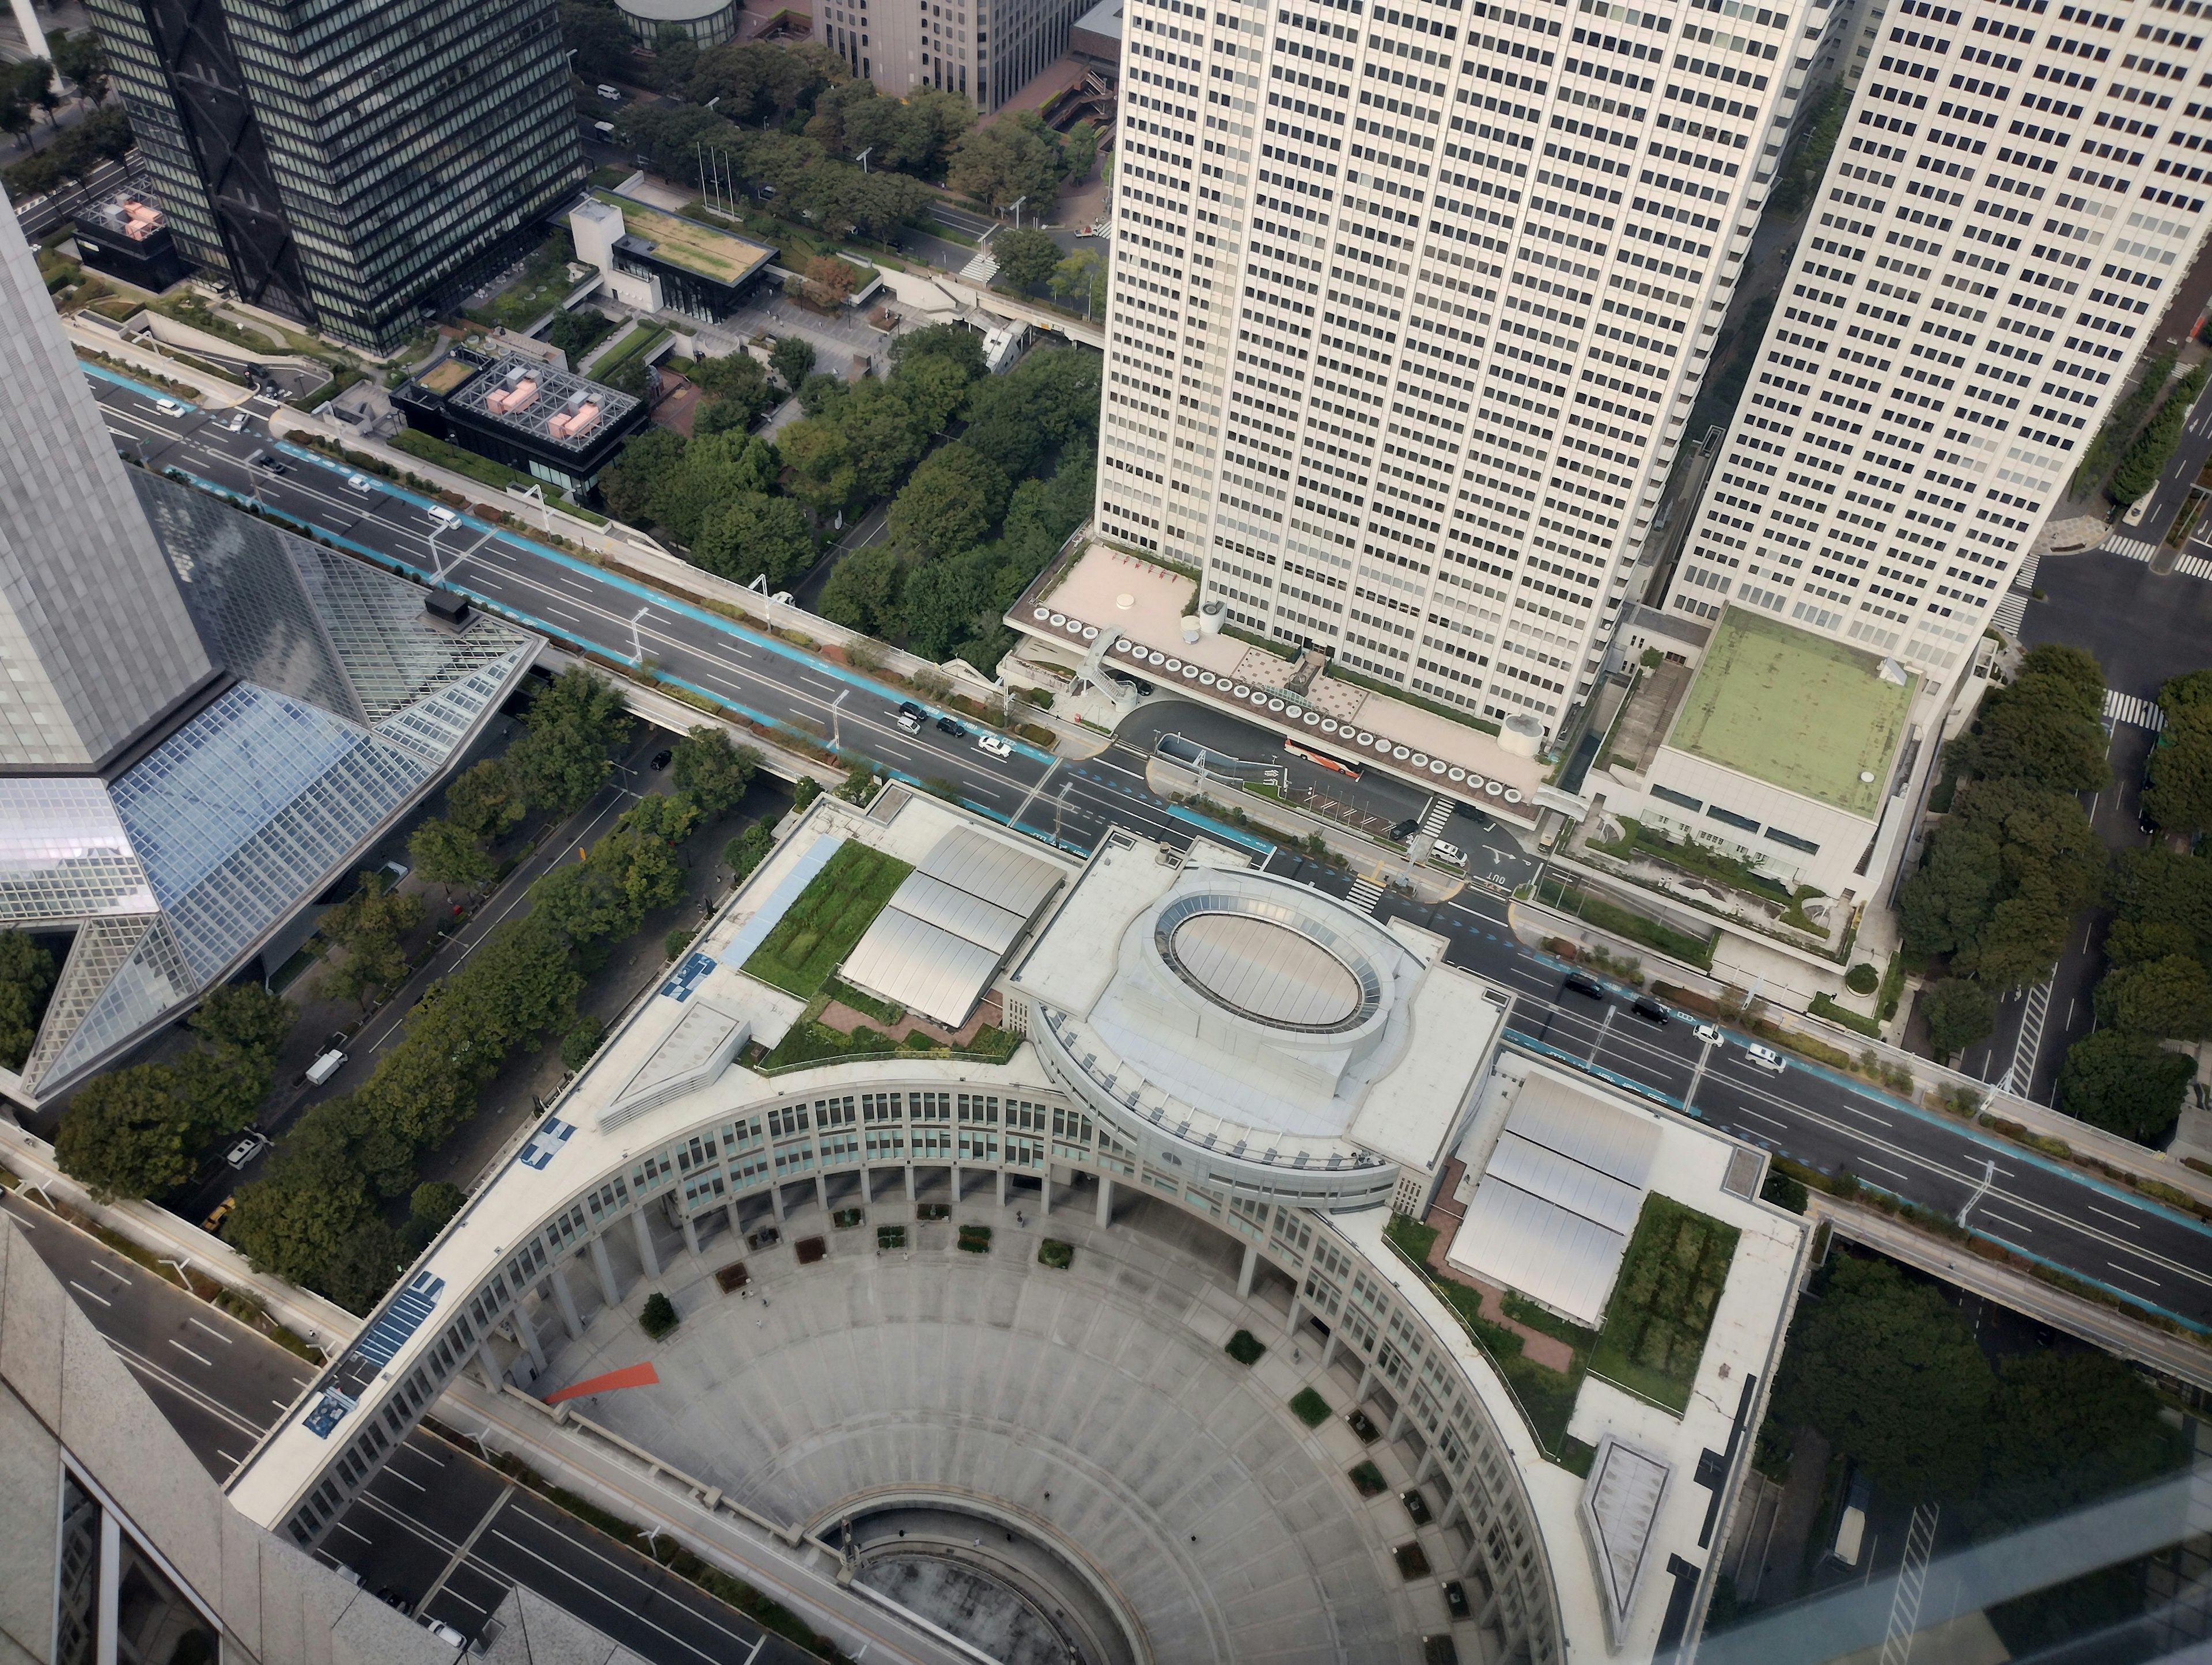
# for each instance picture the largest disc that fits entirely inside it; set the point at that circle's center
(711, 253)
(1796, 710)
(828, 917)
(1671, 1279)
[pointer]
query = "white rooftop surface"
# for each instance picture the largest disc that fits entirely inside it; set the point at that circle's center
(1089, 595)
(1268, 969)
(658, 1039)
(1687, 1163)
(1559, 1193)
(1401, 1101)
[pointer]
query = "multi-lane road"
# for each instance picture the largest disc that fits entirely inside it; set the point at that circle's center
(437, 1528)
(2056, 1214)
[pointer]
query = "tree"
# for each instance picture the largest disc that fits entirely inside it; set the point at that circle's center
(2005, 873)
(710, 771)
(573, 724)
(1013, 157)
(821, 473)
(364, 1265)
(2043, 727)
(482, 799)
(246, 1024)
(755, 533)
(1079, 150)
(647, 458)
(1026, 258)
(716, 467)
(1888, 1373)
(125, 1134)
(736, 393)
(862, 591)
(313, 1195)
(748, 850)
(1073, 278)
(598, 37)
(952, 501)
(793, 359)
(368, 926)
(637, 854)
(2125, 1084)
(445, 854)
(830, 279)
(583, 902)
(2146, 459)
(81, 58)
(2069, 1428)
(955, 342)
(2179, 794)
(27, 973)
(1960, 1012)
(2166, 999)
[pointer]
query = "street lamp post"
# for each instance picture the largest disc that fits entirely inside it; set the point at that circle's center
(863, 158)
(836, 730)
(636, 642)
(1019, 201)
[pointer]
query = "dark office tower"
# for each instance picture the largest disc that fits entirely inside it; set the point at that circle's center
(344, 162)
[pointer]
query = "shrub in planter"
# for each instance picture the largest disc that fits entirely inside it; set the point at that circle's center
(1054, 1253)
(975, 1239)
(660, 1316)
(890, 1237)
(1368, 1479)
(1244, 1347)
(1862, 979)
(1310, 1407)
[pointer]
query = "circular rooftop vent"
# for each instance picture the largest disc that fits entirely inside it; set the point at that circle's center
(1269, 964)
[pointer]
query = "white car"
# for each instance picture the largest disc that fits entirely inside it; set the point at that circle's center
(445, 1633)
(361, 482)
(1764, 1057)
(172, 407)
(992, 744)
(1708, 1034)
(1450, 854)
(2136, 510)
(234, 423)
(441, 514)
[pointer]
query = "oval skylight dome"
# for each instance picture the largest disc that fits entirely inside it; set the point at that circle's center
(1266, 971)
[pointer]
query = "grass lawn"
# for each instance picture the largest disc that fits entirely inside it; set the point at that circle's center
(820, 927)
(720, 255)
(641, 338)
(1794, 709)
(482, 469)
(543, 284)
(1661, 1308)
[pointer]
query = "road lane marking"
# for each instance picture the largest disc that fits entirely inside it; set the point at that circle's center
(102, 1266)
(1991, 1214)
(397, 1475)
(211, 1330)
(189, 1353)
(88, 1294)
(2126, 1272)
(2132, 1225)
(461, 1552)
(552, 1565)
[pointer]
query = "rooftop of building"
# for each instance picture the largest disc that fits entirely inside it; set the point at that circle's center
(1104, 588)
(130, 214)
(1797, 711)
(553, 407)
(720, 256)
(674, 11)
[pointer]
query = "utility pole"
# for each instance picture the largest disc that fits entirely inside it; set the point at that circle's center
(863, 158)
(836, 732)
(636, 643)
(1019, 201)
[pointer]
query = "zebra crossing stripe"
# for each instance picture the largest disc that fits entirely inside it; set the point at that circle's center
(2135, 549)
(2133, 708)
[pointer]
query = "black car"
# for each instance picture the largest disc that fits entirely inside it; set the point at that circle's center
(1404, 830)
(908, 708)
(661, 758)
(1648, 1010)
(952, 725)
(1580, 982)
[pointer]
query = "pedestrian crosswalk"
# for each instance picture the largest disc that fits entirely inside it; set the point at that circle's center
(2133, 708)
(982, 269)
(2136, 549)
(1433, 818)
(1365, 893)
(2008, 614)
(2193, 565)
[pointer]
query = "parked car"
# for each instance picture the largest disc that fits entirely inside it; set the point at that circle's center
(949, 724)
(1581, 982)
(2136, 510)
(359, 483)
(248, 1146)
(1404, 830)
(994, 745)
(908, 708)
(909, 722)
(172, 407)
(612, 94)
(214, 1221)
(1708, 1034)
(445, 1633)
(661, 758)
(1450, 854)
(1648, 1010)
(1764, 1057)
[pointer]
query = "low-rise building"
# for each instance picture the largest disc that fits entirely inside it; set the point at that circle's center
(532, 416)
(704, 23)
(656, 262)
(127, 238)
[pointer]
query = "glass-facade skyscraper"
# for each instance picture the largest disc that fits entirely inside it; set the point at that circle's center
(342, 162)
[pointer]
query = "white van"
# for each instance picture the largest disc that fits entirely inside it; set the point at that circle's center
(1764, 1057)
(612, 94)
(325, 1067)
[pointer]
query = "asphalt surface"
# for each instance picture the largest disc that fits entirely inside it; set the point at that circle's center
(221, 1385)
(2098, 1232)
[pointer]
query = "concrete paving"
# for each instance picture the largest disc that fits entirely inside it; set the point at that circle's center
(1092, 1407)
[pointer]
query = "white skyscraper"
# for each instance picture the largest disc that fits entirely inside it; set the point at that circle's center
(2016, 194)
(1409, 310)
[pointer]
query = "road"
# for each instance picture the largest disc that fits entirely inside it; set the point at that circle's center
(2097, 1231)
(221, 1385)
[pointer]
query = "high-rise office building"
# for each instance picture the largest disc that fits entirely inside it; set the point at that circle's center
(203, 722)
(1409, 310)
(342, 164)
(984, 50)
(2018, 189)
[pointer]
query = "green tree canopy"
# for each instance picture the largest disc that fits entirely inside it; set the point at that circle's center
(1025, 256)
(952, 502)
(583, 902)
(1887, 1371)
(313, 1194)
(819, 464)
(2069, 1428)
(245, 1024)
(737, 392)
(956, 342)
(574, 721)
(27, 976)
(2125, 1084)
(2178, 793)
(647, 458)
(2006, 871)
(1960, 1012)
(637, 854)
(793, 359)
(126, 1134)
(482, 799)
(2146, 459)
(1012, 157)
(2168, 999)
(862, 591)
(710, 770)
(368, 926)
(751, 533)
(2044, 726)
(444, 853)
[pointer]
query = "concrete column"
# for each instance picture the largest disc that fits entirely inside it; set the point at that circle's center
(776, 1200)
(955, 1184)
(1244, 1272)
(1366, 1382)
(909, 1182)
(1105, 1201)
(1044, 1191)
(1328, 1352)
(565, 1299)
(525, 1331)
(690, 1234)
(821, 1192)
(730, 1213)
(1397, 1423)
(1455, 1512)
(606, 1268)
(1426, 1466)
(1291, 1327)
(651, 1261)
(1002, 1188)
(1468, 1564)
(488, 1362)
(867, 1185)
